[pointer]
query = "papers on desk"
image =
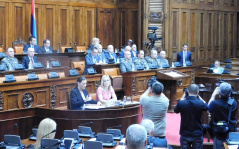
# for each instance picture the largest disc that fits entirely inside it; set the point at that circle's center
(92, 139)
(173, 74)
(232, 146)
(12, 147)
(95, 107)
(121, 147)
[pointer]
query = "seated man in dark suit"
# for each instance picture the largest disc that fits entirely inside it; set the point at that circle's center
(46, 48)
(32, 44)
(29, 60)
(110, 54)
(184, 56)
(101, 54)
(157, 141)
(9, 61)
(127, 48)
(91, 59)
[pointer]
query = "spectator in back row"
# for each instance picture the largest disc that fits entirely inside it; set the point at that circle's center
(100, 54)
(122, 53)
(217, 69)
(110, 55)
(32, 44)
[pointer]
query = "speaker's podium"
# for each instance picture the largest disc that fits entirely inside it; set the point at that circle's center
(169, 78)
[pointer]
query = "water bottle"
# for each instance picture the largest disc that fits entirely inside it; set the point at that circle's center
(124, 99)
(133, 68)
(172, 64)
(47, 64)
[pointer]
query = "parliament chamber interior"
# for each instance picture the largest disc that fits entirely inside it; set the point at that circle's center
(57, 55)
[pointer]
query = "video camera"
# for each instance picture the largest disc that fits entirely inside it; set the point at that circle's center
(153, 36)
(151, 81)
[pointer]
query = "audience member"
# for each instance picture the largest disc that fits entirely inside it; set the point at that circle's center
(91, 59)
(157, 141)
(111, 57)
(100, 54)
(30, 59)
(134, 50)
(32, 44)
(155, 108)
(105, 93)
(94, 42)
(140, 60)
(191, 107)
(126, 64)
(129, 43)
(220, 109)
(136, 137)
(153, 60)
(217, 69)
(162, 57)
(80, 95)
(127, 48)
(46, 48)
(184, 56)
(45, 127)
(10, 61)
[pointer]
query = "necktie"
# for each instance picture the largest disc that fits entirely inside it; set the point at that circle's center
(32, 61)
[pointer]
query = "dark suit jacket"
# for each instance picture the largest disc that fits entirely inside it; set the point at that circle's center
(36, 47)
(107, 55)
(180, 57)
(77, 101)
(43, 50)
(26, 60)
(158, 142)
(89, 62)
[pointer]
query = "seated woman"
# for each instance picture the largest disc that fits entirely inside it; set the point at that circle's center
(45, 127)
(105, 93)
(79, 95)
(217, 69)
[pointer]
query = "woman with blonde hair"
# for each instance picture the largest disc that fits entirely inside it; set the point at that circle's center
(105, 93)
(45, 127)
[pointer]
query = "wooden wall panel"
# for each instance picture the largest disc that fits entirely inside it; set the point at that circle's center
(78, 26)
(3, 24)
(19, 21)
(90, 25)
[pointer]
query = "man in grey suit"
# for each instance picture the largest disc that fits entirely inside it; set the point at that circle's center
(140, 60)
(153, 60)
(46, 48)
(126, 64)
(9, 61)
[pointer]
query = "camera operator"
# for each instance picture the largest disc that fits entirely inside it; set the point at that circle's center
(190, 107)
(155, 107)
(220, 112)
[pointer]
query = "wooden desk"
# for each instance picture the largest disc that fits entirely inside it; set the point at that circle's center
(99, 68)
(219, 76)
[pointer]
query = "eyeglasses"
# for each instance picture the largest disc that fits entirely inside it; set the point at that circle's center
(106, 80)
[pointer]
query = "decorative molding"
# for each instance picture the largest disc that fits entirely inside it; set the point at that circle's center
(179, 82)
(1, 101)
(27, 100)
(53, 96)
(134, 86)
(156, 17)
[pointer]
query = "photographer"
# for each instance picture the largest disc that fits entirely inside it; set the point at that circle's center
(220, 113)
(191, 107)
(155, 107)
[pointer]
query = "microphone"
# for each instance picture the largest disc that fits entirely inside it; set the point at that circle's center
(49, 133)
(86, 123)
(7, 131)
(118, 126)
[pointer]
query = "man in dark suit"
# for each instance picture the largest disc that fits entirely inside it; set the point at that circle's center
(32, 44)
(100, 54)
(46, 48)
(91, 59)
(110, 54)
(30, 59)
(184, 56)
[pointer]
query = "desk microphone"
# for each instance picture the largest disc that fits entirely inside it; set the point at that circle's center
(10, 129)
(118, 126)
(86, 123)
(49, 133)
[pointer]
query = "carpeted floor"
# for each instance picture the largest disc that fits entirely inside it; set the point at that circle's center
(173, 127)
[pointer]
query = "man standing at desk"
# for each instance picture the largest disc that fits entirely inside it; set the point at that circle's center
(30, 59)
(140, 60)
(153, 60)
(32, 44)
(110, 55)
(90, 59)
(184, 56)
(10, 61)
(127, 64)
(46, 48)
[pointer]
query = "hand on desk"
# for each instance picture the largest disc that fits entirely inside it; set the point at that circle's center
(88, 98)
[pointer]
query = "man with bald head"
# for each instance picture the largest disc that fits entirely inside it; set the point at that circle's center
(190, 108)
(30, 59)
(10, 61)
(111, 57)
(126, 64)
(153, 59)
(127, 48)
(140, 60)
(136, 137)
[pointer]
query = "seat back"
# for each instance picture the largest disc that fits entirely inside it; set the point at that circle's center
(1, 49)
(79, 64)
(18, 49)
(68, 100)
(61, 74)
(93, 145)
(62, 49)
(81, 49)
(111, 71)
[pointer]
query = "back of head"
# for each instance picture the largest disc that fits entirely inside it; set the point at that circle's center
(148, 125)
(225, 89)
(193, 89)
(157, 88)
(46, 126)
(136, 137)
